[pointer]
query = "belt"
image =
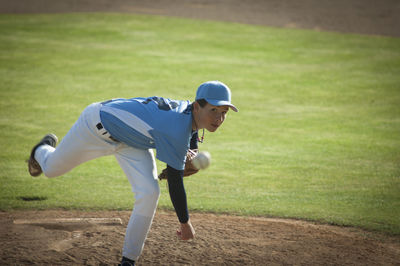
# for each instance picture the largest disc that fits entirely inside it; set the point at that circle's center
(100, 127)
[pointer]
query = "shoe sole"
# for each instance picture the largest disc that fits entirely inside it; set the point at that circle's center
(33, 166)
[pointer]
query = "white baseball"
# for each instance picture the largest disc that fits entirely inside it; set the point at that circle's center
(202, 160)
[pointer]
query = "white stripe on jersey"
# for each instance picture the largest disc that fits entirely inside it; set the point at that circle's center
(130, 120)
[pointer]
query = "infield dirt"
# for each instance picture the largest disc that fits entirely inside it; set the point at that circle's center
(221, 239)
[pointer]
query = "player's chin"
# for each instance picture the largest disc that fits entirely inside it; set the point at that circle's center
(213, 128)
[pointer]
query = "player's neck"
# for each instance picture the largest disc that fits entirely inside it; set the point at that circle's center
(195, 126)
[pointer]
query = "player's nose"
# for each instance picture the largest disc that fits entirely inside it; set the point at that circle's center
(219, 119)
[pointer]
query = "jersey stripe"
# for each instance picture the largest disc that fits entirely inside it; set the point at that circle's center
(129, 119)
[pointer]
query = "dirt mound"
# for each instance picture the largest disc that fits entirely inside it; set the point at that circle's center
(220, 240)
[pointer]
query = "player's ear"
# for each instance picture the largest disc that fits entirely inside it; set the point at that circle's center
(196, 106)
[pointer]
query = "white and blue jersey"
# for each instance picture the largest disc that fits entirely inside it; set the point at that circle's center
(151, 123)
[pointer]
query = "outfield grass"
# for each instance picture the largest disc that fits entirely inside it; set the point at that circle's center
(317, 136)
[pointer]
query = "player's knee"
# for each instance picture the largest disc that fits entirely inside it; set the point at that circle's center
(153, 193)
(146, 201)
(150, 194)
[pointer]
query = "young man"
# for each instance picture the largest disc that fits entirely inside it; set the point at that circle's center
(129, 129)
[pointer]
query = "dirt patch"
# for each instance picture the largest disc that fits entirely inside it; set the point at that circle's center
(221, 240)
(353, 16)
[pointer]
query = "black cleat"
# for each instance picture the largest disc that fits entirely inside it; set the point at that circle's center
(127, 262)
(33, 166)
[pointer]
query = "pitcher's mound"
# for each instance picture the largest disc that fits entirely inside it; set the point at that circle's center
(96, 238)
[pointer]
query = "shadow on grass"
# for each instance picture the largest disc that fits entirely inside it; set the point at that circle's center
(32, 198)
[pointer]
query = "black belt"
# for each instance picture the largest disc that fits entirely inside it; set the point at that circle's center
(100, 127)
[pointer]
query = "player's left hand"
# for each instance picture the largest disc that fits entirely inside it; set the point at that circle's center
(189, 168)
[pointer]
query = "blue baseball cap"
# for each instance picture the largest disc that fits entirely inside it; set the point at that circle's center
(215, 93)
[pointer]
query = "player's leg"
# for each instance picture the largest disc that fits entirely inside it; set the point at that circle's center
(140, 168)
(82, 143)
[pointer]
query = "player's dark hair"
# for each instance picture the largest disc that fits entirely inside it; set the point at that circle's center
(201, 102)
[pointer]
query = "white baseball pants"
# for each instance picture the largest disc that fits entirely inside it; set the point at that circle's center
(85, 142)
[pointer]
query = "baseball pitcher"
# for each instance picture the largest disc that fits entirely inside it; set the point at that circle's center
(130, 129)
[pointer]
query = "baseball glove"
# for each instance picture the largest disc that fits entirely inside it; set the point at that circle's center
(189, 168)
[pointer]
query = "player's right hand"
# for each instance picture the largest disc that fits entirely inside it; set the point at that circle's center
(186, 231)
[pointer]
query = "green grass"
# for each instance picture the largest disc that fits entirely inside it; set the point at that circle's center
(317, 136)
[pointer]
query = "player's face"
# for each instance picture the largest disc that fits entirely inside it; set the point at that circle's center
(211, 117)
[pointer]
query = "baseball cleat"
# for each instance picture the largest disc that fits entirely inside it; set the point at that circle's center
(126, 262)
(33, 166)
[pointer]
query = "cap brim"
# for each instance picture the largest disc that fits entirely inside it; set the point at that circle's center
(222, 103)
